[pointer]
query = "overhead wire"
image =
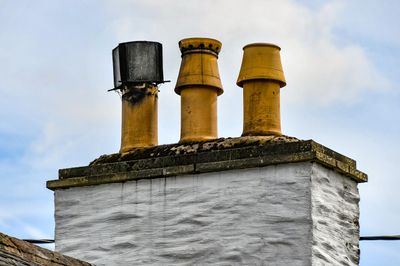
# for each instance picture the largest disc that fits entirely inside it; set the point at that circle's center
(393, 237)
(362, 238)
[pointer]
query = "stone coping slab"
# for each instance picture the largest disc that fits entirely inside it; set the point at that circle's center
(201, 157)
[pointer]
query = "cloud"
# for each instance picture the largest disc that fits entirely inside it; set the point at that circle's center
(34, 232)
(371, 21)
(320, 67)
(59, 100)
(23, 229)
(56, 69)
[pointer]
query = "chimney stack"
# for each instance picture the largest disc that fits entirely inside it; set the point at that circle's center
(199, 85)
(274, 200)
(137, 73)
(261, 77)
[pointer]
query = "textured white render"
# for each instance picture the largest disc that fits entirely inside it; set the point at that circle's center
(335, 216)
(288, 214)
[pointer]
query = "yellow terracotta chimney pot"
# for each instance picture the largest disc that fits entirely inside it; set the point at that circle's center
(199, 84)
(139, 117)
(261, 77)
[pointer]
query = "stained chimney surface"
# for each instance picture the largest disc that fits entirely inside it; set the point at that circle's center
(137, 73)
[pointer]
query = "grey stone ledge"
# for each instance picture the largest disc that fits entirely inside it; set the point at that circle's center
(165, 161)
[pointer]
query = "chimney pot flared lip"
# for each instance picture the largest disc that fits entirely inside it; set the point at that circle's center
(199, 43)
(262, 44)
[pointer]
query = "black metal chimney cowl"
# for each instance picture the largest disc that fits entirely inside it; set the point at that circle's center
(137, 62)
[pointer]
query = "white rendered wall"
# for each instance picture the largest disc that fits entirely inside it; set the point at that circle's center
(290, 214)
(335, 215)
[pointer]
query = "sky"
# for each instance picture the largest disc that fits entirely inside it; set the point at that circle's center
(340, 60)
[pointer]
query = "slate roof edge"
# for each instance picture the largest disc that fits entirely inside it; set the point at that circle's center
(23, 252)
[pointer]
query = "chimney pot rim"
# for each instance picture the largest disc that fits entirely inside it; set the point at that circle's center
(200, 43)
(261, 44)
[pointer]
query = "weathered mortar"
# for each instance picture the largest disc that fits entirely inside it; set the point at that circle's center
(195, 147)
